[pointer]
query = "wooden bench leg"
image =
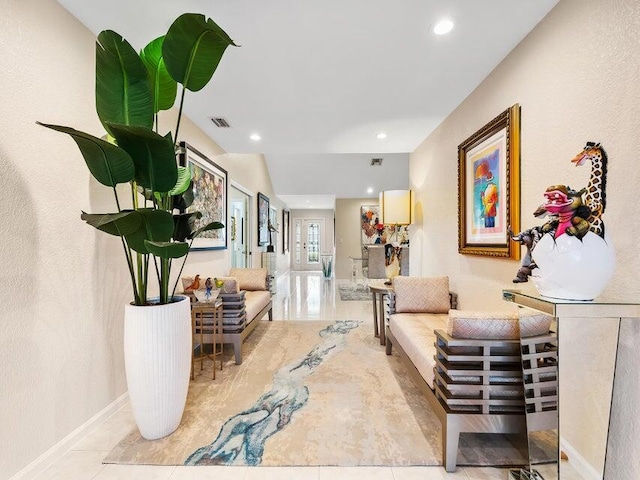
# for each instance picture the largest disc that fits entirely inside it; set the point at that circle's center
(450, 438)
(237, 350)
(387, 346)
(270, 314)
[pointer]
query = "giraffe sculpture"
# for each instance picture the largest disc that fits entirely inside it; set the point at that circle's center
(595, 195)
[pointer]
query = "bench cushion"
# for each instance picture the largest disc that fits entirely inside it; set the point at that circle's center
(415, 333)
(497, 325)
(421, 294)
(256, 301)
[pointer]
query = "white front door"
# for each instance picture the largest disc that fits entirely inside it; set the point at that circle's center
(307, 243)
(239, 228)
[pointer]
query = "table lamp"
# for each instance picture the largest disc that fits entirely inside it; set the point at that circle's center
(396, 209)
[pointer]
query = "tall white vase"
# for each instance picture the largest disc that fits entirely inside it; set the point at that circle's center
(157, 353)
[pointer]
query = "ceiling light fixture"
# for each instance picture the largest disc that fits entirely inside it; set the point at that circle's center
(369, 190)
(255, 137)
(381, 136)
(443, 27)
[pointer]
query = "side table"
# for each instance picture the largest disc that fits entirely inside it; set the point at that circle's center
(206, 315)
(378, 291)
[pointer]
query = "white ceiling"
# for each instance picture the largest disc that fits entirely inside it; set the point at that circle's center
(318, 80)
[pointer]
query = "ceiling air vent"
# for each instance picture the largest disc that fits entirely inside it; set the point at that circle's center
(376, 162)
(220, 122)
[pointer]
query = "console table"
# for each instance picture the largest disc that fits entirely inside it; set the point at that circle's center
(587, 361)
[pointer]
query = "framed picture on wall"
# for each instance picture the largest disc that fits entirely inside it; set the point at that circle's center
(372, 232)
(489, 188)
(263, 220)
(285, 230)
(210, 191)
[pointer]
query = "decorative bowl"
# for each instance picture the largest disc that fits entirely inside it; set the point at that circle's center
(204, 296)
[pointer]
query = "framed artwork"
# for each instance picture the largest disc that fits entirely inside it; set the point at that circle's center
(285, 230)
(263, 217)
(489, 188)
(273, 221)
(210, 190)
(372, 232)
(371, 229)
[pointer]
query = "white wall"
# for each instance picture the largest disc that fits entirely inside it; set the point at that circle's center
(577, 78)
(63, 284)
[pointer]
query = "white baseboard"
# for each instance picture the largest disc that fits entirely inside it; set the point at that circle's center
(49, 457)
(578, 462)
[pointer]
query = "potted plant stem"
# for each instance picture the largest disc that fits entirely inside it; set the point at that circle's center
(131, 89)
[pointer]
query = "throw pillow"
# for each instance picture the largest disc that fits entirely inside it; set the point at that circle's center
(250, 278)
(421, 294)
(497, 325)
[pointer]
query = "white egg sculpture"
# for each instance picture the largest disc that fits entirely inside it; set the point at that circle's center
(573, 269)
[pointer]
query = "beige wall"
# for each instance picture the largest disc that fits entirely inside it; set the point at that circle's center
(63, 284)
(577, 78)
(348, 230)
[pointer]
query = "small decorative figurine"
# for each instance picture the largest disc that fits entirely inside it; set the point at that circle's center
(208, 285)
(195, 285)
(569, 257)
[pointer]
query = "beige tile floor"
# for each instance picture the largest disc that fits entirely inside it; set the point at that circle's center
(304, 296)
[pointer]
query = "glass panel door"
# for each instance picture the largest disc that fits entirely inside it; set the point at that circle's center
(307, 237)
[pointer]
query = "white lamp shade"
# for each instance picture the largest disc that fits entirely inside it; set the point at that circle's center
(396, 207)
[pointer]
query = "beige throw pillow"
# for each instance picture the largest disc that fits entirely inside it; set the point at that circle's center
(421, 294)
(497, 325)
(250, 278)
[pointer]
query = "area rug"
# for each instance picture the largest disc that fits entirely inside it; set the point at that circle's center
(309, 393)
(348, 292)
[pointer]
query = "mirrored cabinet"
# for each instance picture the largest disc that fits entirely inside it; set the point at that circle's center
(581, 383)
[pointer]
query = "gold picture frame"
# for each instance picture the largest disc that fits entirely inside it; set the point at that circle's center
(489, 188)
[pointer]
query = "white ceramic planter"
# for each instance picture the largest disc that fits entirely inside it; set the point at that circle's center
(157, 351)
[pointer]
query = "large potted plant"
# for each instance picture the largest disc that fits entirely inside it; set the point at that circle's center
(131, 89)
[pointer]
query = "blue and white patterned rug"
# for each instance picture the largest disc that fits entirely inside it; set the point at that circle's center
(308, 393)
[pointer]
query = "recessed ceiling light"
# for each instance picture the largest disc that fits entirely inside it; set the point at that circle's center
(443, 27)
(255, 137)
(369, 190)
(381, 136)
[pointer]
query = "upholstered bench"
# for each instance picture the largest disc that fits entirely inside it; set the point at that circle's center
(246, 299)
(469, 364)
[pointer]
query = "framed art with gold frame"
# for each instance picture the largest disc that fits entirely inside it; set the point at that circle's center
(489, 188)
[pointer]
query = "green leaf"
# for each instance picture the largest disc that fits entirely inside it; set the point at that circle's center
(184, 180)
(155, 225)
(118, 224)
(206, 228)
(123, 94)
(109, 164)
(193, 48)
(184, 201)
(184, 224)
(167, 250)
(152, 154)
(163, 87)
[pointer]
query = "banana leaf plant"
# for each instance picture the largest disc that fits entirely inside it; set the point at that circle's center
(131, 89)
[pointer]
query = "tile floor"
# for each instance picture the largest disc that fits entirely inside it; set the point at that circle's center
(301, 296)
